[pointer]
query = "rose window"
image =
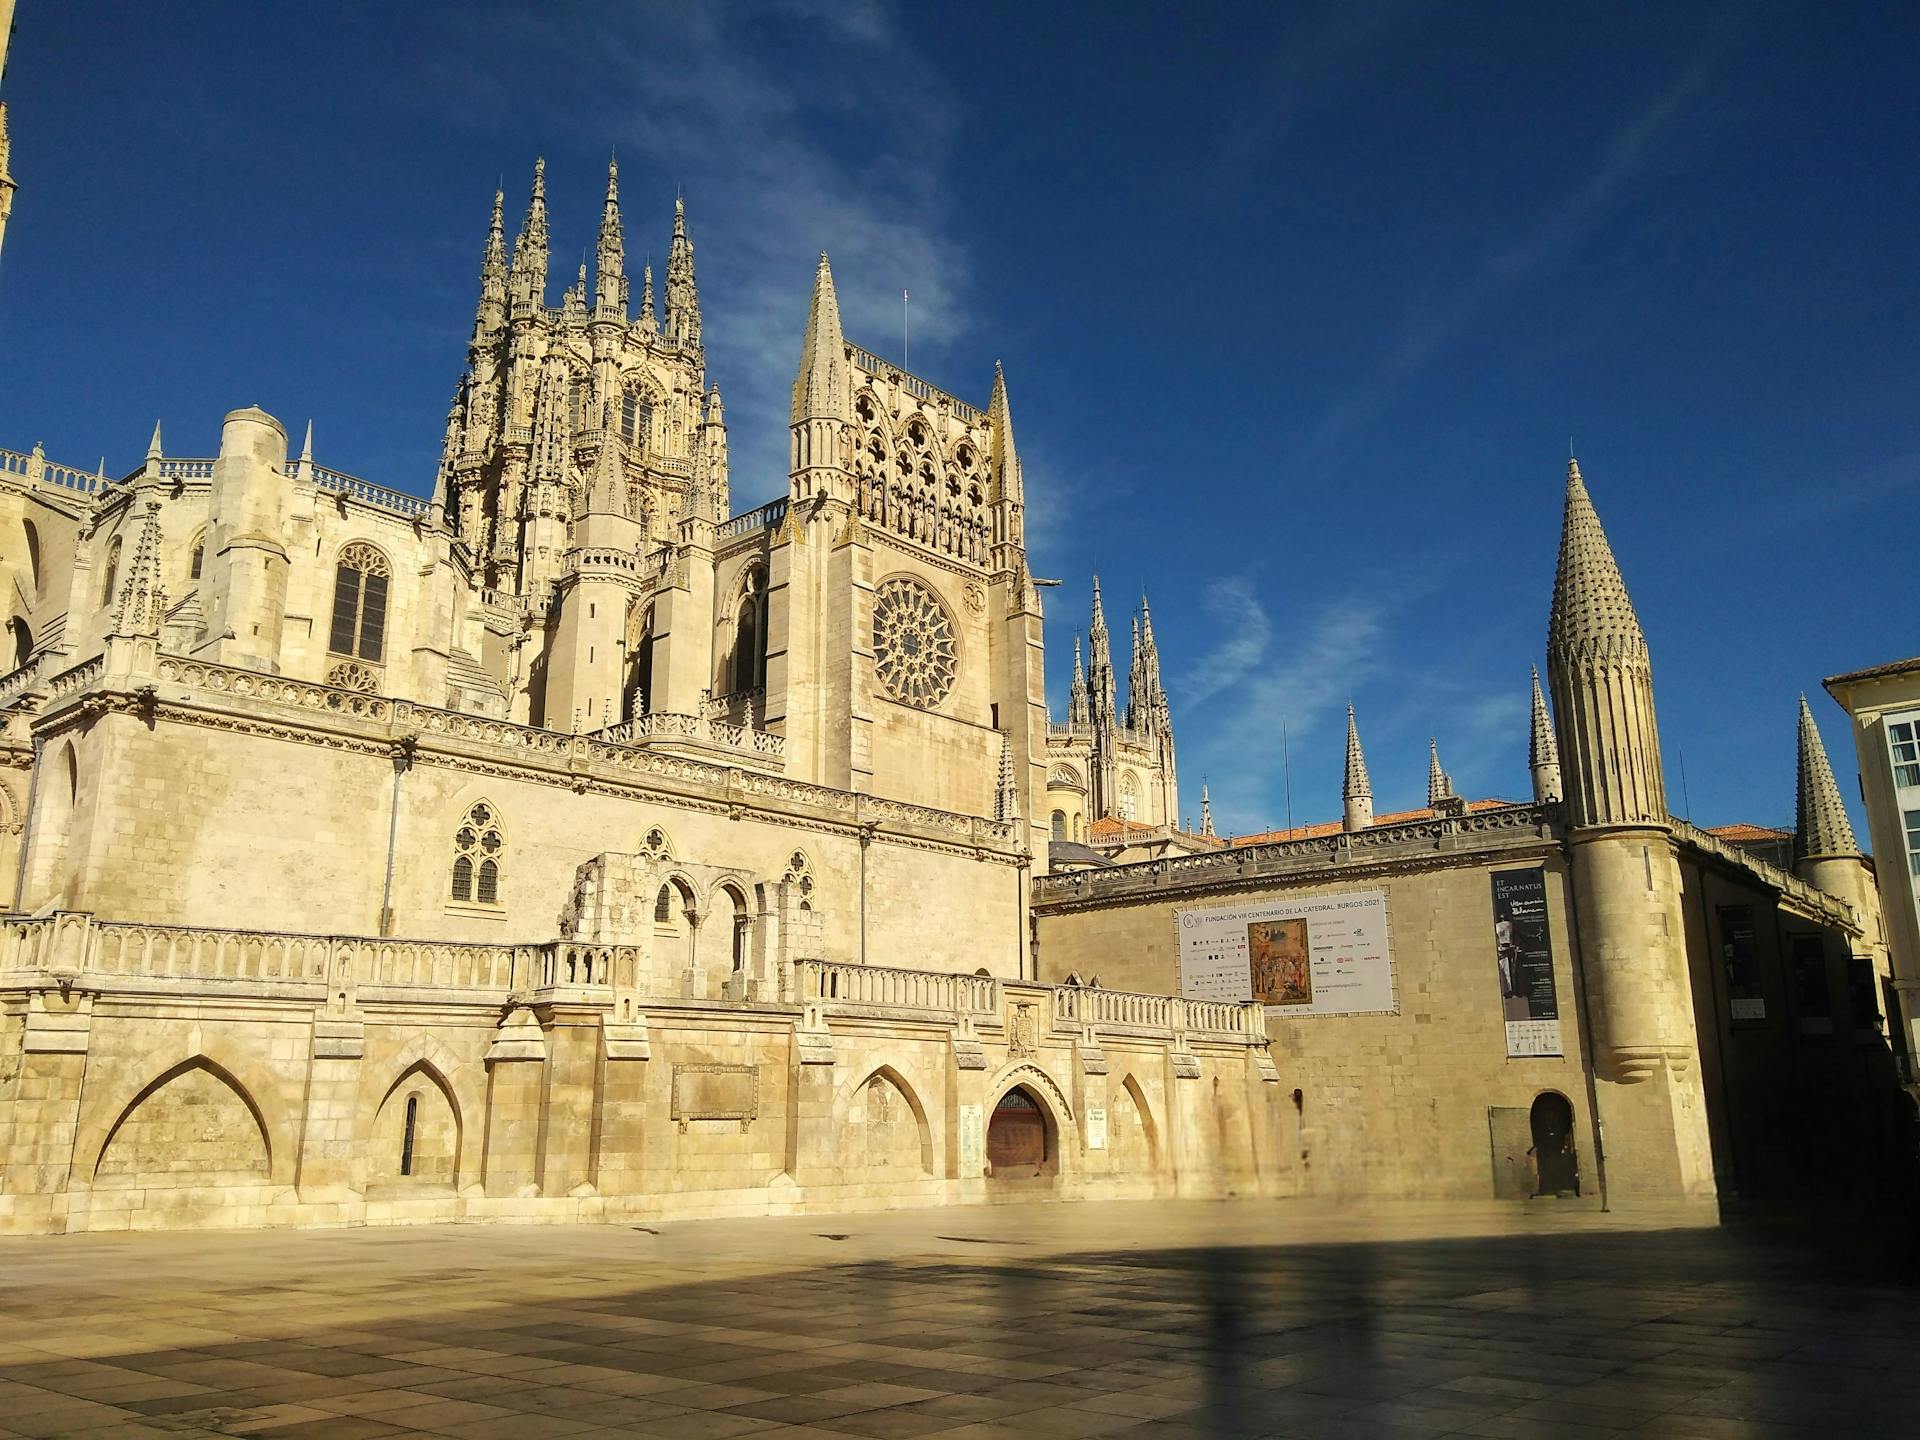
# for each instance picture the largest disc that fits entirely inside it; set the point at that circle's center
(913, 644)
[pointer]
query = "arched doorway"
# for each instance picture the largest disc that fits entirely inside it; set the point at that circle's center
(1555, 1160)
(1018, 1139)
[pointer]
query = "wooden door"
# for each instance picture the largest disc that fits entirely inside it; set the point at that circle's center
(1017, 1136)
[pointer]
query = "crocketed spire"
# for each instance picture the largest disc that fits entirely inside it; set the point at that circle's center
(529, 278)
(1079, 710)
(1206, 812)
(610, 266)
(683, 295)
(1006, 482)
(1439, 785)
(493, 275)
(1591, 610)
(823, 388)
(1820, 824)
(1543, 751)
(143, 596)
(1356, 791)
(1602, 680)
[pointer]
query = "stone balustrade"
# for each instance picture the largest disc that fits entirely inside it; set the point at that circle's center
(833, 983)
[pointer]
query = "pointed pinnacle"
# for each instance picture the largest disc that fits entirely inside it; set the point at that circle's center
(153, 445)
(306, 448)
(1821, 827)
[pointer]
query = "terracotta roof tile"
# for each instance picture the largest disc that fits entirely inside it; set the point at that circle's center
(1333, 827)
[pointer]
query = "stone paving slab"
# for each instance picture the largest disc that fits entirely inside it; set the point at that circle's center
(1137, 1319)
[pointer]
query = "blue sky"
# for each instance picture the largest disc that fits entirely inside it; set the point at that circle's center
(1299, 307)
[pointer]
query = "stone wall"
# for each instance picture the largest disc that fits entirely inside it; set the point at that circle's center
(153, 1077)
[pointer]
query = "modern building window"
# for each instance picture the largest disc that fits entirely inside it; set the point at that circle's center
(1912, 818)
(360, 604)
(479, 850)
(1906, 754)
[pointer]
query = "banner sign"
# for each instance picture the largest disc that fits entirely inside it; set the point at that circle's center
(1523, 954)
(1740, 955)
(1317, 955)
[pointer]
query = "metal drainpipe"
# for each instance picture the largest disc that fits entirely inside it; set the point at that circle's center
(402, 762)
(26, 824)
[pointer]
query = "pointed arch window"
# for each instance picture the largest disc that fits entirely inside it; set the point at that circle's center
(197, 557)
(360, 604)
(112, 572)
(750, 635)
(636, 419)
(479, 853)
(1059, 825)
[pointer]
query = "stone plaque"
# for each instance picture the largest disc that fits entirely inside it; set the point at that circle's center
(716, 1092)
(1096, 1129)
(972, 1141)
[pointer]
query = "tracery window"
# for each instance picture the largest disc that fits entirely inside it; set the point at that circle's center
(800, 876)
(636, 419)
(112, 573)
(915, 653)
(1129, 797)
(360, 604)
(479, 850)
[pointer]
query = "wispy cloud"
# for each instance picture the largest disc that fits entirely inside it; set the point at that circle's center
(793, 126)
(1437, 319)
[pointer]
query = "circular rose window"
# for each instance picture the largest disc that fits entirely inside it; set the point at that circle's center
(913, 644)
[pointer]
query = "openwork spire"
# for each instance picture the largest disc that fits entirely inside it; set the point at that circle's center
(1821, 826)
(529, 278)
(1100, 677)
(1592, 613)
(610, 264)
(1079, 710)
(823, 389)
(648, 321)
(493, 273)
(683, 295)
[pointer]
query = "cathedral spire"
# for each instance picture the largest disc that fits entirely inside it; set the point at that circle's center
(606, 489)
(1206, 812)
(610, 263)
(1820, 827)
(492, 308)
(648, 322)
(1078, 711)
(1543, 752)
(683, 295)
(1439, 783)
(1008, 487)
(1101, 676)
(1602, 679)
(1356, 791)
(822, 390)
(1136, 678)
(529, 276)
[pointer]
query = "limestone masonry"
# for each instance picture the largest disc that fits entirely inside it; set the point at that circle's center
(569, 846)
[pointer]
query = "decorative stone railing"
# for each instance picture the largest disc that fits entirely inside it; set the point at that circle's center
(914, 385)
(175, 469)
(1809, 899)
(1121, 1010)
(18, 682)
(35, 468)
(699, 729)
(278, 689)
(766, 517)
(833, 983)
(1377, 844)
(365, 491)
(77, 678)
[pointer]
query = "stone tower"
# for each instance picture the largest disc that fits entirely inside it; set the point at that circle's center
(1824, 850)
(1632, 947)
(1543, 752)
(1356, 792)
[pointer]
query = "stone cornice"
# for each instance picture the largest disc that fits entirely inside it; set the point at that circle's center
(1515, 832)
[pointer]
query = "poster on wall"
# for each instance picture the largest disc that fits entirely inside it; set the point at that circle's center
(1740, 958)
(1523, 955)
(1318, 955)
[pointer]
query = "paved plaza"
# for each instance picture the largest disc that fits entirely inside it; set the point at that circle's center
(1136, 1319)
